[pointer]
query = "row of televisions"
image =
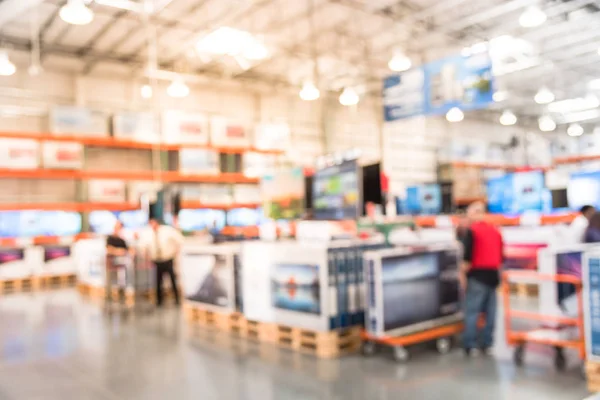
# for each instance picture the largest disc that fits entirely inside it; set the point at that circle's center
(508, 194)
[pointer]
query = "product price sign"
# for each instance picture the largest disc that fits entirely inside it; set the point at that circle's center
(591, 284)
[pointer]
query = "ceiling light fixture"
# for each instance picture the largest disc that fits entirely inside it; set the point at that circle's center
(178, 89)
(544, 96)
(233, 42)
(400, 62)
(455, 114)
(575, 130)
(500, 96)
(349, 97)
(508, 118)
(532, 16)
(7, 68)
(75, 12)
(309, 91)
(146, 91)
(546, 124)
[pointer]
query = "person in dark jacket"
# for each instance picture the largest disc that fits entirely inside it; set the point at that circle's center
(483, 256)
(592, 233)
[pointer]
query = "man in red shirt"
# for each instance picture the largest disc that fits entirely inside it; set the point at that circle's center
(483, 256)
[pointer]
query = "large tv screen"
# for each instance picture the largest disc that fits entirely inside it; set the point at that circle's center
(39, 223)
(191, 220)
(336, 192)
(516, 193)
(242, 217)
(423, 199)
(583, 189)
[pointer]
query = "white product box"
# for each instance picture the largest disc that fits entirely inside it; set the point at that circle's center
(70, 120)
(19, 153)
(272, 136)
(138, 126)
(198, 161)
(106, 190)
(228, 133)
(180, 127)
(62, 155)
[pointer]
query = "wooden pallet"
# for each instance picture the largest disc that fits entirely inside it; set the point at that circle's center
(592, 371)
(98, 294)
(320, 344)
(524, 289)
(32, 283)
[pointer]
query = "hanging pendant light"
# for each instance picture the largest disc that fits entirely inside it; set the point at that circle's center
(400, 62)
(455, 114)
(546, 124)
(575, 130)
(544, 96)
(146, 91)
(349, 97)
(7, 68)
(508, 118)
(178, 89)
(533, 16)
(309, 91)
(75, 12)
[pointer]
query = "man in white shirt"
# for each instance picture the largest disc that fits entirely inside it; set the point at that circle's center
(580, 223)
(162, 243)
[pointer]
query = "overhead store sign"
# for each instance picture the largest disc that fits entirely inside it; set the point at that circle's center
(19, 153)
(180, 127)
(433, 89)
(65, 155)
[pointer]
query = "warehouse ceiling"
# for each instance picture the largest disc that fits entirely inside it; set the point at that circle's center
(337, 43)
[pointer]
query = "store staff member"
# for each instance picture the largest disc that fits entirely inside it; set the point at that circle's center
(483, 256)
(162, 244)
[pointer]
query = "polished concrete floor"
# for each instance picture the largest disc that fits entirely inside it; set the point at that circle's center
(57, 346)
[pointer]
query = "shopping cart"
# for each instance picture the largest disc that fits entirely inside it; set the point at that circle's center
(561, 332)
(129, 283)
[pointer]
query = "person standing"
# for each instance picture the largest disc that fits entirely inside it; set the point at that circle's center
(579, 226)
(163, 244)
(482, 259)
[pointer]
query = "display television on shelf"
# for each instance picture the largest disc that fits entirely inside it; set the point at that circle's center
(412, 291)
(423, 199)
(242, 217)
(39, 223)
(199, 219)
(336, 192)
(516, 193)
(584, 188)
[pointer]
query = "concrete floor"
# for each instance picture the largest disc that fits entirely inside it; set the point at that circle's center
(57, 346)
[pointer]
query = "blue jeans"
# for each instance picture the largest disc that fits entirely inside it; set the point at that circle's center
(480, 298)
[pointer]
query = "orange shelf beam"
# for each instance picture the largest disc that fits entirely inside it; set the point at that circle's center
(197, 204)
(130, 144)
(165, 176)
(68, 206)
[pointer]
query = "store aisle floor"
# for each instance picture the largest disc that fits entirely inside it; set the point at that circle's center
(57, 346)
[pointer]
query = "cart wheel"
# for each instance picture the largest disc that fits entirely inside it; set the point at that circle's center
(444, 345)
(401, 355)
(560, 362)
(368, 348)
(519, 355)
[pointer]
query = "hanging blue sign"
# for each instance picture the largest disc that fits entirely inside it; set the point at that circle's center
(465, 82)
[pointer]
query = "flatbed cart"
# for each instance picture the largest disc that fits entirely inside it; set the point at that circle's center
(443, 336)
(129, 283)
(545, 336)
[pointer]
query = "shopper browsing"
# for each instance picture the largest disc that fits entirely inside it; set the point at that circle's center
(162, 244)
(580, 224)
(592, 232)
(115, 244)
(483, 255)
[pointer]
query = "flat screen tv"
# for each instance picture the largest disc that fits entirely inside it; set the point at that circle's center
(584, 188)
(336, 192)
(516, 193)
(423, 199)
(191, 220)
(242, 217)
(371, 186)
